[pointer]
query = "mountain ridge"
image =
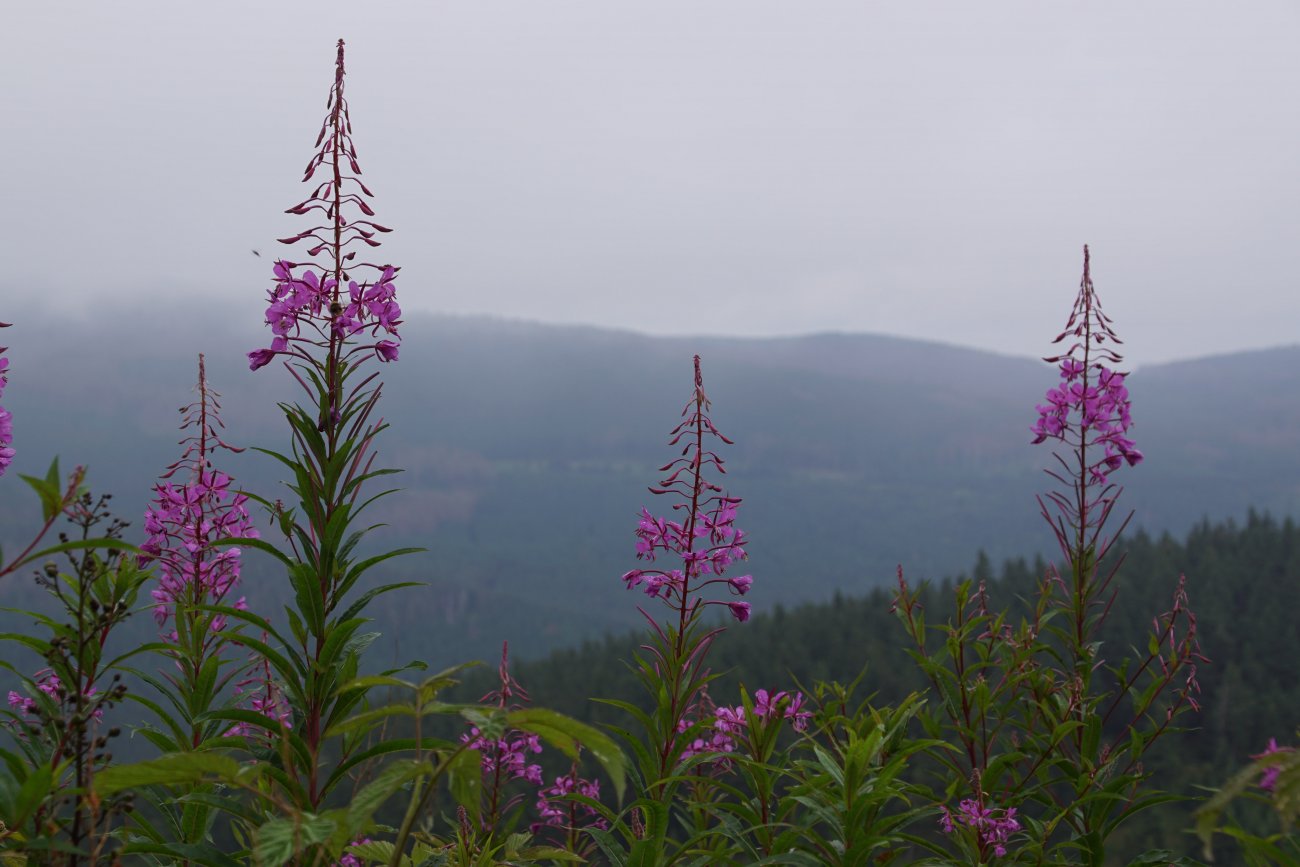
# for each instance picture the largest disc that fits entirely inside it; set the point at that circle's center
(528, 449)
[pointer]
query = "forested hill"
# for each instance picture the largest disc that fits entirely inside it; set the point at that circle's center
(1243, 581)
(527, 450)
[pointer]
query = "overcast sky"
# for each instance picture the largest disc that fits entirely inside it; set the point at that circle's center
(928, 169)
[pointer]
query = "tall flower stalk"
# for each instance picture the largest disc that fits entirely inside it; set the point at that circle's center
(1089, 415)
(701, 542)
(186, 524)
(327, 316)
(1050, 735)
(6, 420)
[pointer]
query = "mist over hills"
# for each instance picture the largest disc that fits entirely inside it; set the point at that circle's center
(528, 449)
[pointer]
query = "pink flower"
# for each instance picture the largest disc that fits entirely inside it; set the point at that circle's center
(260, 358)
(48, 682)
(993, 826)
(741, 584)
(509, 754)
(1268, 780)
(351, 860)
(568, 814)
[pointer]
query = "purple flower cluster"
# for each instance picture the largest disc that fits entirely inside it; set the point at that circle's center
(706, 540)
(509, 755)
(307, 301)
(729, 722)
(1091, 405)
(1267, 781)
(349, 859)
(47, 682)
(6, 419)
(566, 815)
(187, 519)
(1101, 405)
(725, 545)
(183, 524)
(313, 302)
(265, 698)
(994, 826)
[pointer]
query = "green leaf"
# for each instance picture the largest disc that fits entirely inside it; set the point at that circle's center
(375, 793)
(562, 732)
(280, 839)
(367, 720)
(35, 789)
(383, 748)
(1163, 858)
(365, 598)
(381, 851)
(49, 490)
(465, 777)
(197, 853)
(175, 769)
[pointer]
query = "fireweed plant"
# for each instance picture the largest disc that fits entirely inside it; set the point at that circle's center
(758, 782)
(507, 758)
(194, 511)
(289, 746)
(702, 543)
(184, 525)
(1046, 735)
(296, 757)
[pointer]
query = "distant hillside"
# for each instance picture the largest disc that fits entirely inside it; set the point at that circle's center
(528, 449)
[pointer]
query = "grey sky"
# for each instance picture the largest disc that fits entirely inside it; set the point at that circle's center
(929, 169)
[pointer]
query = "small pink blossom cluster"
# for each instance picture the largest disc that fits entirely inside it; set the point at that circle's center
(1102, 406)
(725, 545)
(1091, 407)
(509, 754)
(1267, 781)
(351, 860)
(183, 525)
(308, 300)
(567, 814)
(729, 722)
(266, 698)
(994, 826)
(47, 682)
(715, 740)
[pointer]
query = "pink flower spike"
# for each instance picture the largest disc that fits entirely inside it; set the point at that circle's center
(705, 539)
(1268, 780)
